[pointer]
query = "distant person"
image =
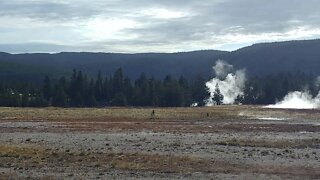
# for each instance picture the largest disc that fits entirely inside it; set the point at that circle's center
(153, 114)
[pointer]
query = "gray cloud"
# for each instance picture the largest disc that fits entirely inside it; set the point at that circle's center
(36, 47)
(262, 16)
(156, 25)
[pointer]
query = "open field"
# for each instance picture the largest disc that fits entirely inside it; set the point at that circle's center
(231, 142)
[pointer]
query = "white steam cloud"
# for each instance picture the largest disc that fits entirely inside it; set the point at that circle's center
(231, 84)
(317, 83)
(222, 69)
(298, 100)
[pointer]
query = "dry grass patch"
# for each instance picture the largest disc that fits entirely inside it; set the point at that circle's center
(135, 113)
(21, 156)
(20, 151)
(165, 163)
(90, 161)
(296, 143)
(187, 113)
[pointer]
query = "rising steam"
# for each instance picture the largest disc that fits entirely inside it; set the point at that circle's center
(231, 84)
(298, 100)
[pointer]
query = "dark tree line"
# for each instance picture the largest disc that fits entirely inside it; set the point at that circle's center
(115, 90)
(272, 88)
(119, 90)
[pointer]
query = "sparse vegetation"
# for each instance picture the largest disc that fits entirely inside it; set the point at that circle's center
(106, 142)
(302, 143)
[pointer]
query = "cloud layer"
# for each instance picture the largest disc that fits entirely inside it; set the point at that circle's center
(152, 25)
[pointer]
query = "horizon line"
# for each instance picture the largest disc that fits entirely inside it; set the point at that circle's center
(153, 52)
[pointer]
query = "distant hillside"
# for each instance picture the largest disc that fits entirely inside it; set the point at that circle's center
(268, 58)
(258, 59)
(189, 64)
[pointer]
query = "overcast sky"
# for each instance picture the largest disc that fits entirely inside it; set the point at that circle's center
(152, 25)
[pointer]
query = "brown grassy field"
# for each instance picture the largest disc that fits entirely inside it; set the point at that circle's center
(231, 142)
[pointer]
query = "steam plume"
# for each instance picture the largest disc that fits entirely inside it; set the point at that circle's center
(298, 100)
(230, 84)
(222, 69)
(317, 83)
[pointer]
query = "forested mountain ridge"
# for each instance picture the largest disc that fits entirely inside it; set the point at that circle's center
(155, 79)
(258, 59)
(158, 65)
(269, 58)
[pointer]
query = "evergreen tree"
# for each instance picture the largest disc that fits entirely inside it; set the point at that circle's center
(199, 91)
(90, 99)
(144, 90)
(217, 96)
(117, 82)
(60, 97)
(78, 100)
(137, 96)
(107, 91)
(186, 91)
(173, 94)
(47, 88)
(72, 91)
(156, 92)
(98, 88)
(119, 100)
(128, 90)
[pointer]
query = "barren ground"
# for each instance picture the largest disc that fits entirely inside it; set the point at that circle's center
(229, 142)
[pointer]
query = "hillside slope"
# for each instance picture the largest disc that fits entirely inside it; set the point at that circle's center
(268, 58)
(258, 59)
(189, 64)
